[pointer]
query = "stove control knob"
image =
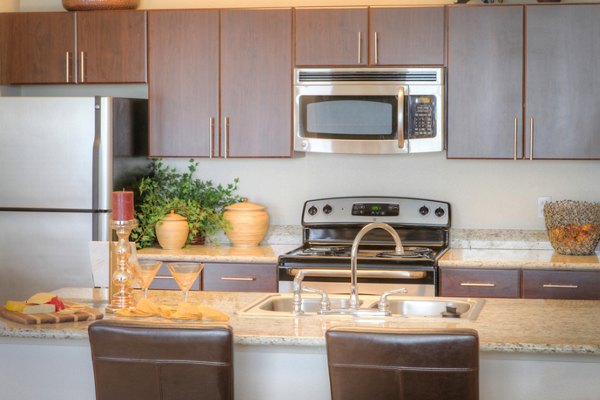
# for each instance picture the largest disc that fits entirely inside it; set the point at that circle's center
(424, 210)
(312, 210)
(440, 212)
(327, 209)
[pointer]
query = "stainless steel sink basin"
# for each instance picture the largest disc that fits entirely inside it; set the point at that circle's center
(281, 305)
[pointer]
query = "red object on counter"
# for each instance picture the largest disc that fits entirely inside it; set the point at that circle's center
(122, 203)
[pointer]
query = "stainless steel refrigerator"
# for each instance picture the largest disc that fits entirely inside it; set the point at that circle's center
(60, 160)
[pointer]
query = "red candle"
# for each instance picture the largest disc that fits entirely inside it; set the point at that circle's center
(122, 203)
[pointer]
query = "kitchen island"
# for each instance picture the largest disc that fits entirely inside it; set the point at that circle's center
(530, 349)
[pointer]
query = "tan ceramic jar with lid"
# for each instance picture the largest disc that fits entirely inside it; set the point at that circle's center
(172, 231)
(249, 223)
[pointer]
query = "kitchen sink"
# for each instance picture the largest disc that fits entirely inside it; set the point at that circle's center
(281, 305)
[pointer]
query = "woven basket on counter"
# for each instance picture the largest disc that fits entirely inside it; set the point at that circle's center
(573, 226)
(88, 5)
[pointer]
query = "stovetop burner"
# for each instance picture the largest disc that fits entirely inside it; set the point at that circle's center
(325, 251)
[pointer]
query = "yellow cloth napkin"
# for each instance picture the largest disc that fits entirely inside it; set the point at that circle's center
(184, 311)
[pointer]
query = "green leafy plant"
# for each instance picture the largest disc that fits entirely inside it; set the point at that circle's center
(165, 189)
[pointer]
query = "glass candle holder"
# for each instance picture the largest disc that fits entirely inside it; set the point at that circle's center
(122, 278)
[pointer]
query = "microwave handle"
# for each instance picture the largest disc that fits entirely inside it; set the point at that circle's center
(401, 118)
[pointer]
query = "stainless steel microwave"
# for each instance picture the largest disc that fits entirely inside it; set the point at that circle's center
(369, 110)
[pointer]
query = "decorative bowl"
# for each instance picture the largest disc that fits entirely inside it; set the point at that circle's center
(88, 5)
(573, 226)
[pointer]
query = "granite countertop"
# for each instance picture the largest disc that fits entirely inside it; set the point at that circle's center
(504, 325)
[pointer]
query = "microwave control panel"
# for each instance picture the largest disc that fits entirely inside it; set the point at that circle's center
(421, 113)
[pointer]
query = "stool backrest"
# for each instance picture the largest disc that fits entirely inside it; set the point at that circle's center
(161, 361)
(390, 364)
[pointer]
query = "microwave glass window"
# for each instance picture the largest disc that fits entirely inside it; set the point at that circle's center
(350, 117)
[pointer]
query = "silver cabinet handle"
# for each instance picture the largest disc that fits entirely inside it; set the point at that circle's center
(163, 277)
(401, 118)
(376, 44)
(67, 67)
(226, 137)
(515, 138)
(477, 284)
(359, 47)
(531, 138)
(82, 67)
(556, 286)
(238, 278)
(211, 132)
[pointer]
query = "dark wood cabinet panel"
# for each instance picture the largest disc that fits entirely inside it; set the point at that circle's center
(546, 284)
(42, 48)
(4, 39)
(183, 58)
(240, 277)
(256, 83)
(563, 81)
(111, 46)
(479, 282)
(331, 36)
(406, 35)
(485, 82)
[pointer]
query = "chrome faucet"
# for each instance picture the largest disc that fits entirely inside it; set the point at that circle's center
(354, 301)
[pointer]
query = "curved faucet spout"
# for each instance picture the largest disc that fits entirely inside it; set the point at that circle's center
(354, 301)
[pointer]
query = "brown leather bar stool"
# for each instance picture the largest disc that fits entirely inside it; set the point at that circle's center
(161, 362)
(387, 364)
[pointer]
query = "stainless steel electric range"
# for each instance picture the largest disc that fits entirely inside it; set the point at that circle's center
(330, 226)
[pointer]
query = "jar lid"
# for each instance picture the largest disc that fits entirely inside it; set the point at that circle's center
(245, 206)
(172, 216)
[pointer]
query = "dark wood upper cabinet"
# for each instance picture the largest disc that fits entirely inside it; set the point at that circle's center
(256, 83)
(4, 38)
(42, 48)
(563, 82)
(370, 36)
(220, 83)
(111, 47)
(485, 82)
(183, 88)
(331, 36)
(406, 35)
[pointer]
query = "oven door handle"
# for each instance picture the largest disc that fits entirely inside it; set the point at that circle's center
(374, 273)
(401, 118)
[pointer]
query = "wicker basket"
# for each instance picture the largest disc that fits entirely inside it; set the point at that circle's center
(573, 226)
(88, 5)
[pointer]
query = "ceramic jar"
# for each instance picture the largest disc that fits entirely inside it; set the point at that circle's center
(172, 231)
(249, 223)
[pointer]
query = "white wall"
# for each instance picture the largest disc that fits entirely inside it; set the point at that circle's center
(483, 193)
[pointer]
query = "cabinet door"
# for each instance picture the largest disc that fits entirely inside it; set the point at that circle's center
(5, 20)
(485, 82)
(407, 36)
(240, 277)
(584, 285)
(183, 88)
(479, 282)
(111, 46)
(563, 82)
(42, 48)
(256, 83)
(335, 36)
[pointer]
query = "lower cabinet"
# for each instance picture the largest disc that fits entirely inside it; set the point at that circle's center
(514, 283)
(468, 282)
(227, 277)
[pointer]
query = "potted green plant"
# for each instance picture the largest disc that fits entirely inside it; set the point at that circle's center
(165, 189)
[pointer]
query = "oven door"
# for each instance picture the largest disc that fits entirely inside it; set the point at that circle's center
(358, 118)
(420, 281)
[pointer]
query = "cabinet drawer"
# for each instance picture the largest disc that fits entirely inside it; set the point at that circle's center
(479, 282)
(240, 277)
(561, 284)
(164, 280)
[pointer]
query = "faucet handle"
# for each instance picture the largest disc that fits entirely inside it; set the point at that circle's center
(384, 304)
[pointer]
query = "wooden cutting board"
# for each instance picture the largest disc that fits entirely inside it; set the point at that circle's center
(84, 314)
